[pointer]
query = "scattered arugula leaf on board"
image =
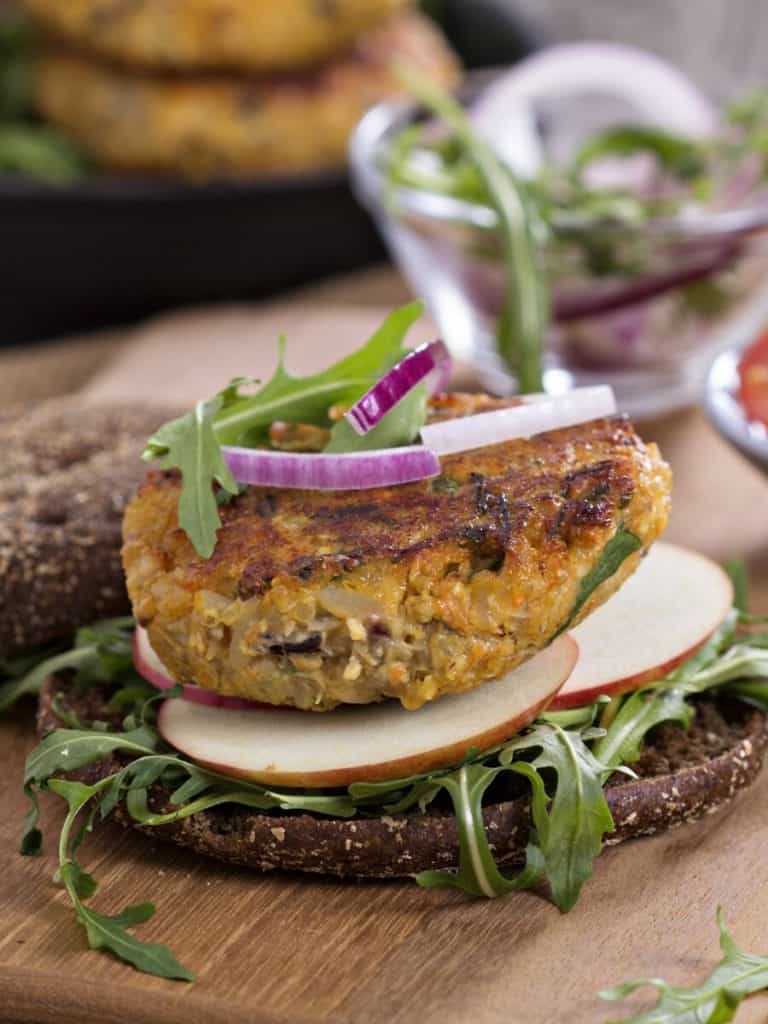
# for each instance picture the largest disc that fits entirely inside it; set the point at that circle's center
(714, 1001)
(192, 443)
(107, 932)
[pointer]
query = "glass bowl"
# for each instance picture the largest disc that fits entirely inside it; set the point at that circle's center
(651, 334)
(725, 411)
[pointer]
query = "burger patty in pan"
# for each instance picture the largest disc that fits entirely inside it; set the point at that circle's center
(314, 599)
(244, 35)
(222, 125)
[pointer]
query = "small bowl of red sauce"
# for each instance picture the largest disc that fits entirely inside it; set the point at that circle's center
(736, 398)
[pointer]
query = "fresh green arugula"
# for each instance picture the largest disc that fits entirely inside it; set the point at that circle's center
(570, 816)
(621, 545)
(525, 318)
(681, 157)
(101, 651)
(192, 443)
(714, 1001)
(103, 931)
(580, 231)
(564, 759)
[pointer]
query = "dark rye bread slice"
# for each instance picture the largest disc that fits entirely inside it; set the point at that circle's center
(682, 776)
(67, 471)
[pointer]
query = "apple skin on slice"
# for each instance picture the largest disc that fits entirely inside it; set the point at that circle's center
(368, 743)
(661, 616)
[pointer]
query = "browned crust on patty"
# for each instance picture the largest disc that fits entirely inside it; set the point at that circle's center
(315, 599)
(682, 777)
(66, 473)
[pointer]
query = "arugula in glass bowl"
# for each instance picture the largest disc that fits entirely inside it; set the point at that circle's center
(617, 261)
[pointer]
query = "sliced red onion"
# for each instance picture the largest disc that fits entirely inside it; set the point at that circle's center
(656, 90)
(150, 667)
(349, 471)
(627, 291)
(414, 368)
(535, 415)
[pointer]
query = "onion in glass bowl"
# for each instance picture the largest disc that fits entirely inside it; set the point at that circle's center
(640, 300)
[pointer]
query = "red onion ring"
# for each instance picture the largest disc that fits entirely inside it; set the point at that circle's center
(349, 471)
(414, 368)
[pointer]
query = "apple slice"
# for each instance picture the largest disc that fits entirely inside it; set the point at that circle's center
(661, 616)
(369, 743)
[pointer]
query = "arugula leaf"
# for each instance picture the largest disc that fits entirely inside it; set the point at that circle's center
(666, 701)
(101, 651)
(737, 571)
(571, 827)
(751, 692)
(31, 682)
(192, 443)
(621, 545)
(478, 873)
(678, 155)
(638, 714)
(107, 932)
(714, 1001)
(66, 750)
(308, 399)
(525, 318)
(568, 829)
(41, 152)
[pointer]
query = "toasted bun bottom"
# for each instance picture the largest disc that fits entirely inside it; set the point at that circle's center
(682, 776)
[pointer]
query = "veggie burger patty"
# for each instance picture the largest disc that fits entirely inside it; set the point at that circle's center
(314, 599)
(230, 125)
(249, 35)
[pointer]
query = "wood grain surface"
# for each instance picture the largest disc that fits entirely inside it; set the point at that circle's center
(294, 949)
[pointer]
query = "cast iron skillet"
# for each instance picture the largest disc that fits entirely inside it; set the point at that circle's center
(110, 250)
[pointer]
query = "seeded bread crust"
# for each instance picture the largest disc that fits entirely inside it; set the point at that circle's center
(66, 474)
(682, 776)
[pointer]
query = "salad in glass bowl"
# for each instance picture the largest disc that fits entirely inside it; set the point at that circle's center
(589, 217)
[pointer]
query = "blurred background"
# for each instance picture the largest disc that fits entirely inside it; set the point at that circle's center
(83, 249)
(156, 157)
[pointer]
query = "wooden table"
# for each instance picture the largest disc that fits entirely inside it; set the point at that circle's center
(293, 949)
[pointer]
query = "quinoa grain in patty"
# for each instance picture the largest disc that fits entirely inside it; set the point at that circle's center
(314, 599)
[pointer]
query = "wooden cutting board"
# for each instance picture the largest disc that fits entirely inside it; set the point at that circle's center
(295, 949)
